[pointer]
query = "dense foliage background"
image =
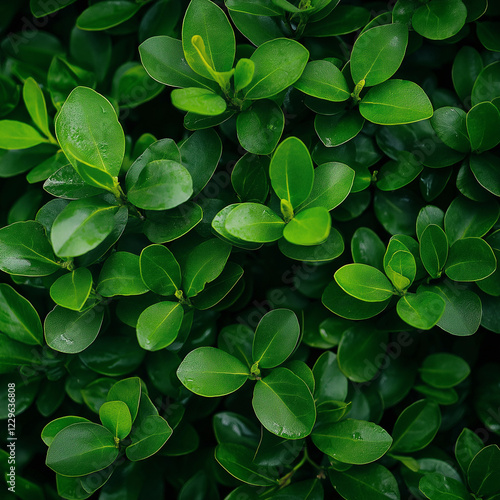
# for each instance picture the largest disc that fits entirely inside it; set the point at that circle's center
(276, 280)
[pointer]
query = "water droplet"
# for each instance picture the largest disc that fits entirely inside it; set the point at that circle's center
(357, 436)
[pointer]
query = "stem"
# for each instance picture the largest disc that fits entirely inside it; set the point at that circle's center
(357, 90)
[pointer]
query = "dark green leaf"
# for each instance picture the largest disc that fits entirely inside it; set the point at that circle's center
(204, 263)
(436, 486)
(284, 405)
(110, 13)
(121, 275)
(372, 481)
(72, 290)
(444, 370)
(88, 131)
(205, 19)
(161, 185)
(148, 437)
(210, 372)
(159, 324)
(364, 282)
(275, 338)
(338, 129)
(115, 416)
(421, 310)
(378, 53)
(416, 426)
(278, 64)
(352, 441)
(439, 19)
(323, 80)
(89, 440)
(18, 318)
(395, 102)
(484, 471)
(260, 127)
(470, 259)
(160, 271)
(254, 222)
(72, 331)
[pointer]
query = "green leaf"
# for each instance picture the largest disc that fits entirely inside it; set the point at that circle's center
(207, 20)
(204, 263)
(331, 383)
(254, 222)
(401, 268)
(40, 8)
(436, 486)
(416, 426)
(359, 344)
(81, 226)
(439, 19)
(210, 372)
(284, 405)
(275, 338)
(372, 481)
(254, 7)
(364, 282)
(72, 331)
(342, 20)
(444, 370)
(367, 248)
(483, 168)
(18, 135)
(161, 185)
(128, 391)
(338, 129)
(486, 86)
(352, 441)
(201, 101)
(309, 227)
(237, 460)
(449, 123)
(72, 290)
(160, 271)
(18, 318)
(466, 68)
(487, 32)
(421, 310)
(291, 171)
(341, 303)
(162, 227)
(110, 13)
(81, 448)
(465, 218)
(260, 127)
(378, 53)
(148, 437)
(163, 59)
(395, 102)
(332, 183)
(35, 104)
(484, 471)
(243, 73)
(50, 431)
(322, 79)
(14, 354)
(467, 446)
(462, 313)
(91, 137)
(115, 416)
(200, 154)
(120, 275)
(278, 64)
(249, 178)
(433, 249)
(470, 259)
(67, 183)
(219, 288)
(482, 120)
(328, 250)
(159, 324)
